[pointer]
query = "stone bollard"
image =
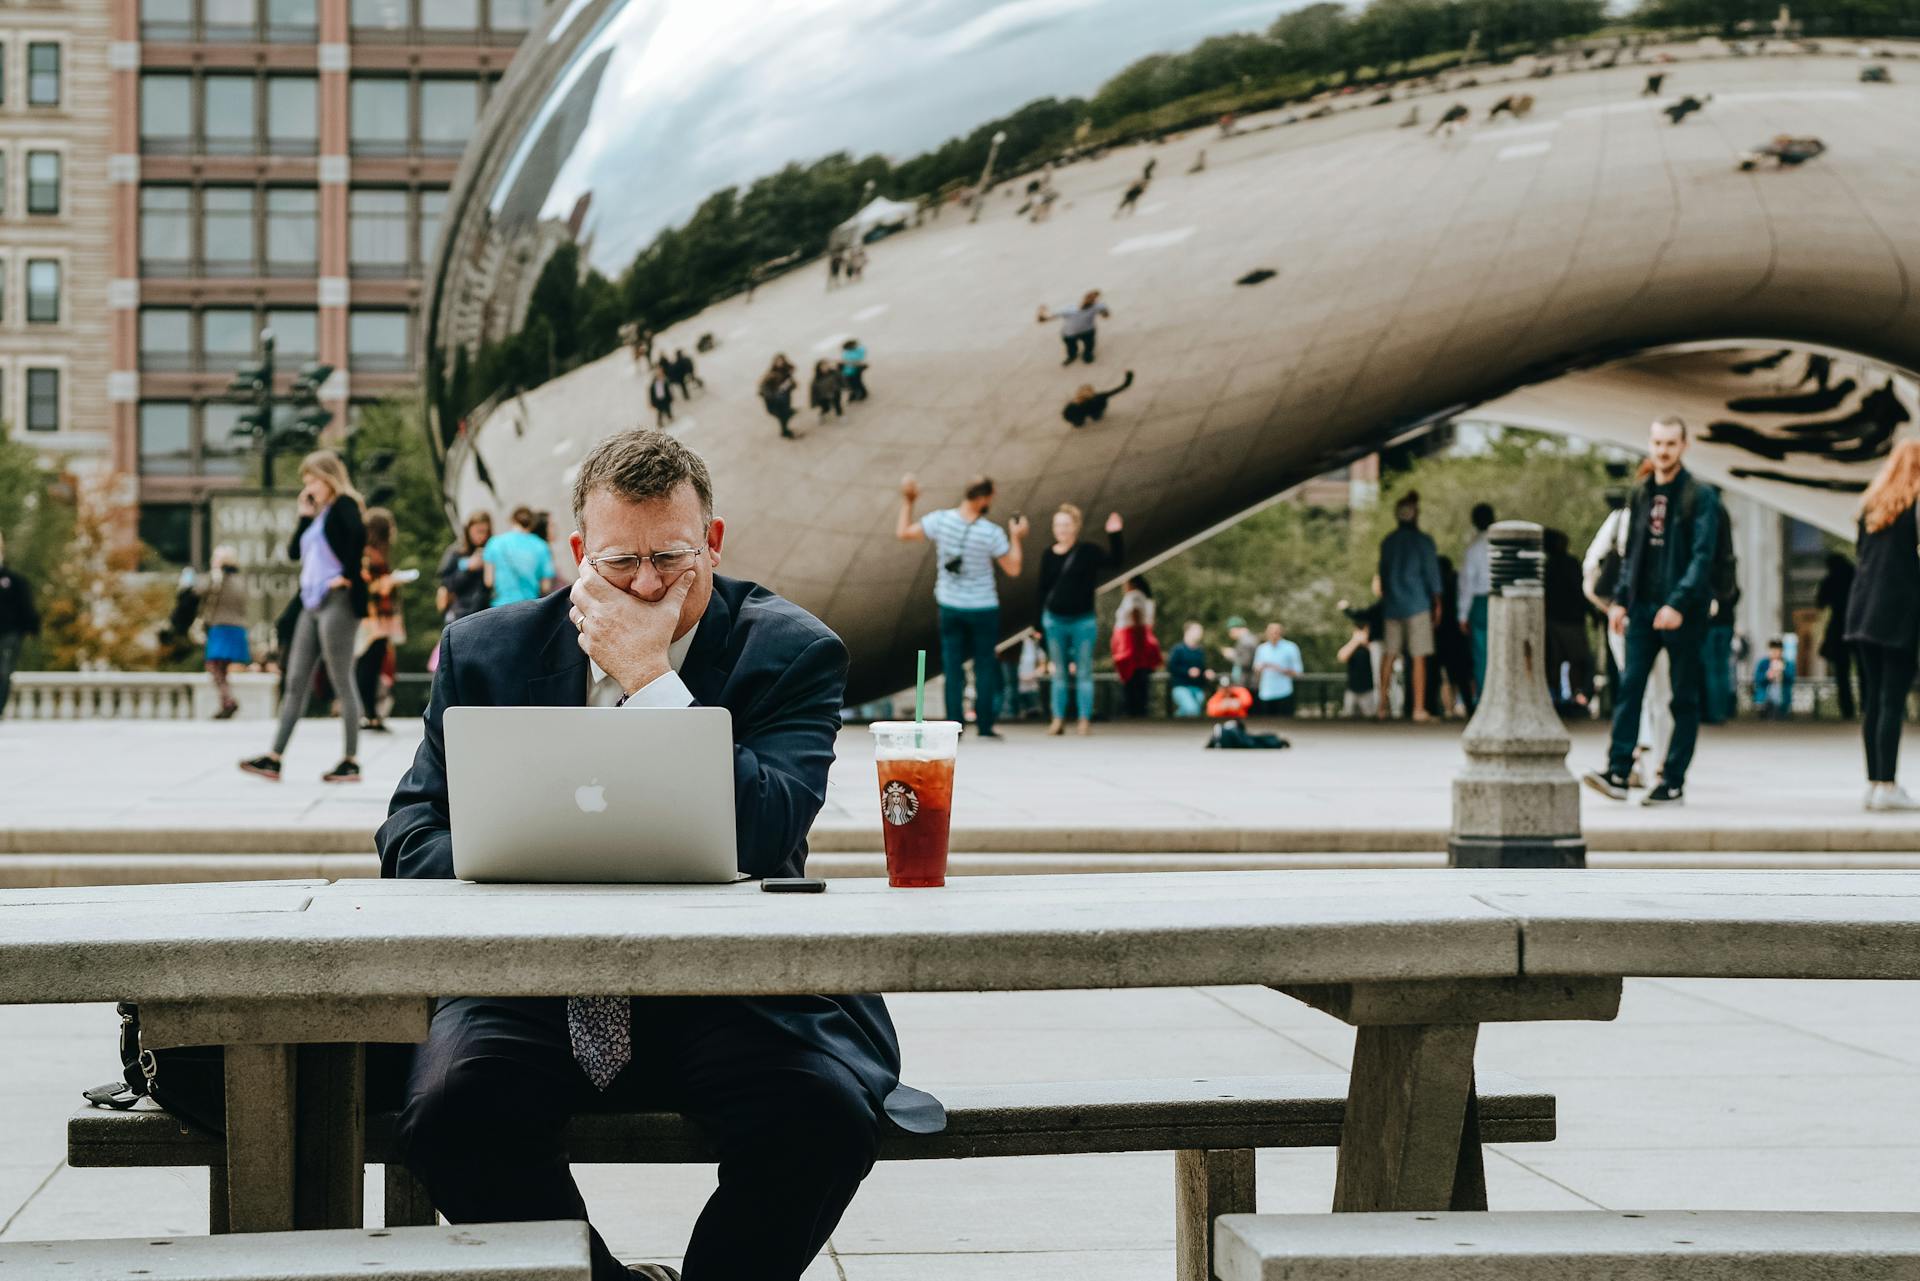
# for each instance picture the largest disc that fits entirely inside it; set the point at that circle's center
(1516, 804)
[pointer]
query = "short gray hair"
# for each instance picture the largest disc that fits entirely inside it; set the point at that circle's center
(638, 466)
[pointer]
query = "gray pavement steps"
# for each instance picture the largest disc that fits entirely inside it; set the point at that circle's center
(1569, 1246)
(475, 1252)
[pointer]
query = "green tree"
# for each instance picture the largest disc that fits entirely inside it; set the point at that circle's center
(389, 445)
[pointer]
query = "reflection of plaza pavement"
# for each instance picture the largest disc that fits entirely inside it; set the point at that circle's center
(1412, 273)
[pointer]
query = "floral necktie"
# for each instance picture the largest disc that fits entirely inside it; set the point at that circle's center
(601, 1030)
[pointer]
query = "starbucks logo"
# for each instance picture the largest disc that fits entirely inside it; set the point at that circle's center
(898, 804)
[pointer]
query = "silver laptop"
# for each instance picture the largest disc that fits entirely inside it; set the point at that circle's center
(597, 794)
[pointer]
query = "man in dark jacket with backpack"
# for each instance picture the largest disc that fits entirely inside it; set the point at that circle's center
(1663, 601)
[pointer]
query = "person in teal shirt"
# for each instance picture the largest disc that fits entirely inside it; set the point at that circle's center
(519, 564)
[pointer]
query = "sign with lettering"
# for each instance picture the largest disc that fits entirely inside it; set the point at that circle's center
(259, 527)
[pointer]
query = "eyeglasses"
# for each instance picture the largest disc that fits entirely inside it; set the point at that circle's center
(620, 569)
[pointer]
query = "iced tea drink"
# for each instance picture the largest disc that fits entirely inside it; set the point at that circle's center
(915, 763)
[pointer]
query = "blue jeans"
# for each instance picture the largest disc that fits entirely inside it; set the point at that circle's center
(1189, 700)
(1071, 640)
(1683, 646)
(964, 634)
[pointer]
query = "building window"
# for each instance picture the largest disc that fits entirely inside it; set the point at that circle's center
(168, 529)
(224, 446)
(166, 231)
(379, 117)
(379, 15)
(43, 182)
(432, 205)
(293, 127)
(448, 110)
(377, 341)
(166, 339)
(227, 338)
(43, 400)
(3, 158)
(166, 114)
(229, 115)
(510, 15)
(378, 232)
(293, 232)
(226, 20)
(226, 231)
(43, 74)
(43, 291)
(296, 335)
(166, 20)
(166, 440)
(293, 21)
(450, 15)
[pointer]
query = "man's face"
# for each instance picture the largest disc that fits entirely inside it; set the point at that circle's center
(1274, 631)
(612, 526)
(1666, 444)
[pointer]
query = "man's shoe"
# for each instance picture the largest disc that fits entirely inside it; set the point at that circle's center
(652, 1272)
(344, 772)
(265, 766)
(1609, 784)
(1665, 793)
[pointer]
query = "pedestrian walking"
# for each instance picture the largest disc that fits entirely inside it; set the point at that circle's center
(660, 395)
(1661, 605)
(1136, 650)
(463, 570)
(383, 630)
(1130, 199)
(1408, 584)
(1773, 682)
(1883, 619)
(685, 377)
(1450, 674)
(1569, 649)
(1276, 663)
(856, 263)
(1832, 596)
(836, 261)
(329, 543)
(1071, 571)
(518, 563)
(825, 391)
(776, 393)
(967, 548)
(853, 368)
(223, 610)
(1078, 325)
(1189, 677)
(18, 620)
(1476, 589)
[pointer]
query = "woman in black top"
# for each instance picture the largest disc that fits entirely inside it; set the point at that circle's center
(1883, 618)
(1071, 571)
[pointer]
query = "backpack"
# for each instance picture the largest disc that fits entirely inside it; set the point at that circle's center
(189, 1082)
(1723, 580)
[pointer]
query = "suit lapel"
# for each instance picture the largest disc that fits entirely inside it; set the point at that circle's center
(703, 672)
(561, 680)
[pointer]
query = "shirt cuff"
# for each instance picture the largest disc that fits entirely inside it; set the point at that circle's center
(662, 691)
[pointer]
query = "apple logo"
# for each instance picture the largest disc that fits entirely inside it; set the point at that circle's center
(592, 799)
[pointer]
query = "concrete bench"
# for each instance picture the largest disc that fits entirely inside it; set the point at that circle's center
(1576, 1245)
(1213, 1125)
(476, 1252)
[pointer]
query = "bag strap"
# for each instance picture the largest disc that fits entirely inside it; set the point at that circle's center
(132, 1087)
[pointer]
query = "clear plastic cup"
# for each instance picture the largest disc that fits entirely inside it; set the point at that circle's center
(915, 764)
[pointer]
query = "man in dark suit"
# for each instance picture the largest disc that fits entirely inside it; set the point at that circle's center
(791, 1091)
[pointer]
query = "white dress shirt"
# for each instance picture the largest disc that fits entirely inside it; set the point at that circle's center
(666, 690)
(1476, 573)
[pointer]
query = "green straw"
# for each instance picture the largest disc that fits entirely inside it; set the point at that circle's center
(920, 698)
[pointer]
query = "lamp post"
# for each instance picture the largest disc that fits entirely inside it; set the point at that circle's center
(1516, 804)
(986, 174)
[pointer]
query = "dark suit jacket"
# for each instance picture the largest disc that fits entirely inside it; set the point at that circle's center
(781, 673)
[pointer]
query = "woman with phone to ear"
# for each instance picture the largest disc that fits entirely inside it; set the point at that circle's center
(329, 544)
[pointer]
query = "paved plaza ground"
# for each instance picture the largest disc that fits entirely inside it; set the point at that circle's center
(1703, 1095)
(86, 798)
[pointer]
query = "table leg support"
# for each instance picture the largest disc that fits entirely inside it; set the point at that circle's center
(1207, 1183)
(1405, 1144)
(330, 1151)
(408, 1203)
(260, 1138)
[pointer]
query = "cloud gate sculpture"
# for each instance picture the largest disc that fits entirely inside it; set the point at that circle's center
(1289, 286)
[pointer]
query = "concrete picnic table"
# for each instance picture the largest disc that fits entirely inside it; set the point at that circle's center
(295, 977)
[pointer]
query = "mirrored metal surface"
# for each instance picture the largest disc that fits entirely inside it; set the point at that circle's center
(1287, 284)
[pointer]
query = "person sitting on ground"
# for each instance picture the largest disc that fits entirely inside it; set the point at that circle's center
(794, 1094)
(1229, 702)
(1773, 682)
(1090, 406)
(1187, 672)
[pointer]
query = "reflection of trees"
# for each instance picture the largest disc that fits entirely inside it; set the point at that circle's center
(571, 318)
(1836, 17)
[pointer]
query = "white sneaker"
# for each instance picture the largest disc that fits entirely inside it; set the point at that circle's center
(1872, 799)
(1893, 798)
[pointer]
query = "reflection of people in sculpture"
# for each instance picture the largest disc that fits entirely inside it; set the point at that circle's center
(1199, 162)
(1680, 110)
(835, 261)
(1818, 369)
(1450, 120)
(1654, 81)
(1089, 405)
(824, 392)
(681, 369)
(853, 368)
(1517, 105)
(660, 395)
(1754, 366)
(1146, 170)
(856, 263)
(1812, 402)
(776, 393)
(1785, 151)
(1135, 190)
(1077, 325)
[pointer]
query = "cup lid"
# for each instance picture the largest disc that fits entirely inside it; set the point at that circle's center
(896, 727)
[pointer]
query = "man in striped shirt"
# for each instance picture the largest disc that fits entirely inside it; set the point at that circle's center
(968, 547)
